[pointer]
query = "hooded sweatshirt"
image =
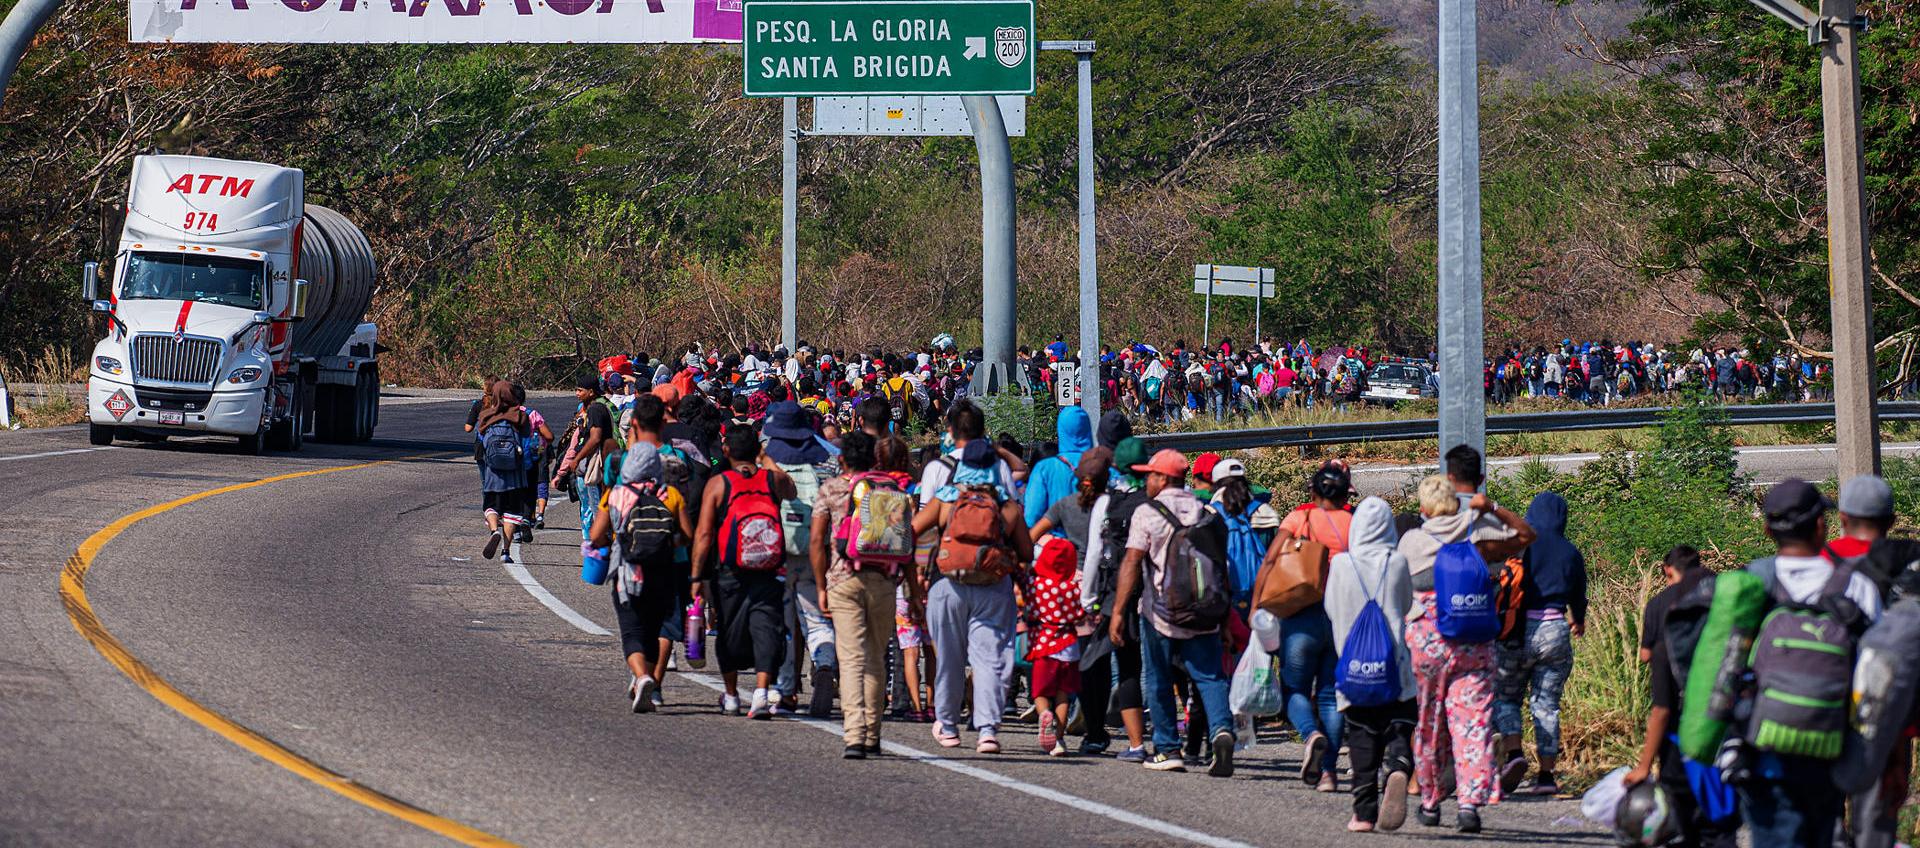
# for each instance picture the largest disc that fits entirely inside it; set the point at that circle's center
(1052, 479)
(1372, 568)
(1556, 573)
(1421, 545)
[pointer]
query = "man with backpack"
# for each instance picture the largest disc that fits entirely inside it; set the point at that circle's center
(587, 457)
(971, 611)
(1703, 806)
(1110, 671)
(861, 550)
(1801, 672)
(1176, 554)
(740, 534)
(794, 446)
(503, 434)
(686, 479)
(646, 525)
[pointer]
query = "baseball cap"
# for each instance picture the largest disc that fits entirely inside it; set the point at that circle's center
(1129, 452)
(1203, 465)
(1168, 461)
(1227, 469)
(1791, 503)
(1866, 496)
(1095, 463)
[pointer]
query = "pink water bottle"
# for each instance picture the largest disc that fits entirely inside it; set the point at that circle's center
(696, 635)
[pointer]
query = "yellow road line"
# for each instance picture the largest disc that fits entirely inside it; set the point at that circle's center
(73, 592)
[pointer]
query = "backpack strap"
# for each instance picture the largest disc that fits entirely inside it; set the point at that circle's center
(1166, 513)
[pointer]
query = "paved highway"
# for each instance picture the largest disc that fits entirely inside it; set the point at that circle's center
(340, 629)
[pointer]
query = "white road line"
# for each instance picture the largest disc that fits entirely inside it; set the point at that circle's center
(56, 453)
(546, 598)
(559, 608)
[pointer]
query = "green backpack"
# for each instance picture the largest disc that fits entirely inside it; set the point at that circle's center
(1720, 661)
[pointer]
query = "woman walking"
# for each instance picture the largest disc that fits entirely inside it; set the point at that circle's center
(1455, 679)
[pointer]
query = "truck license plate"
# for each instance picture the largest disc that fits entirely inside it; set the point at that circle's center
(173, 418)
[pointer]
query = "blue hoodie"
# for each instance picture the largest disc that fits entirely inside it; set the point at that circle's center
(1053, 478)
(1556, 574)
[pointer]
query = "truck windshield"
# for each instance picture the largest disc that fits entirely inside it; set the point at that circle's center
(182, 276)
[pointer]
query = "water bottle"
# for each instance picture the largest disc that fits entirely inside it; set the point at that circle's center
(593, 564)
(696, 635)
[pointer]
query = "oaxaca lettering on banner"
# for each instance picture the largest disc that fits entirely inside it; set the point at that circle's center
(435, 21)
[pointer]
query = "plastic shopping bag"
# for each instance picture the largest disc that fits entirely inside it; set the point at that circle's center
(1603, 800)
(1256, 688)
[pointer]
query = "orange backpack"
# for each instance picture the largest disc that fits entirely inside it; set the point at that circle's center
(1510, 601)
(973, 545)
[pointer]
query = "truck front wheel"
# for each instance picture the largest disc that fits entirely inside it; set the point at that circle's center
(100, 435)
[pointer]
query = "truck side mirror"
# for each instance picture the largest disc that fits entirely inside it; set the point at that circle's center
(90, 281)
(300, 288)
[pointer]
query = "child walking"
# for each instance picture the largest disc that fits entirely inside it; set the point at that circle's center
(1053, 634)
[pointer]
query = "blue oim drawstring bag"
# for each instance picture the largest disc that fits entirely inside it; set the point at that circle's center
(1368, 673)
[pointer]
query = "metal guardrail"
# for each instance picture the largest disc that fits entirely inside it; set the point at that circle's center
(1498, 425)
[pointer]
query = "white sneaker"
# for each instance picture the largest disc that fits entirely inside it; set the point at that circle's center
(759, 710)
(729, 705)
(643, 695)
(773, 703)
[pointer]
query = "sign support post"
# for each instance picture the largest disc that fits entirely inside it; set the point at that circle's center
(1462, 327)
(789, 224)
(1856, 425)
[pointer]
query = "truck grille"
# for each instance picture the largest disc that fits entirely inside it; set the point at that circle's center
(156, 356)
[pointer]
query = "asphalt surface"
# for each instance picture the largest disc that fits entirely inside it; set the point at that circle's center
(349, 618)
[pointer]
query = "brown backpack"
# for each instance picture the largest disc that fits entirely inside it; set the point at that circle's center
(973, 545)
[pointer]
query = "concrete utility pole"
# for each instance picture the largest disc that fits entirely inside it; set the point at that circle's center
(998, 274)
(1856, 425)
(789, 223)
(1089, 371)
(1463, 405)
(16, 34)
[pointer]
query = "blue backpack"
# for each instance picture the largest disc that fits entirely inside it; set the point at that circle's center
(1463, 594)
(1369, 670)
(500, 447)
(1245, 551)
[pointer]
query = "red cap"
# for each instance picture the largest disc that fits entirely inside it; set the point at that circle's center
(1203, 465)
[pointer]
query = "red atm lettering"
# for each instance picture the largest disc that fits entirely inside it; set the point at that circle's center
(229, 186)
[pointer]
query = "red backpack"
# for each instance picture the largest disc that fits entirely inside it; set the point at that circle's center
(750, 535)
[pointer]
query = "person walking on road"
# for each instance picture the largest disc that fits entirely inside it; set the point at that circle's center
(504, 488)
(1200, 652)
(1379, 735)
(595, 435)
(971, 611)
(1455, 679)
(1553, 590)
(649, 548)
(740, 536)
(857, 594)
(1308, 649)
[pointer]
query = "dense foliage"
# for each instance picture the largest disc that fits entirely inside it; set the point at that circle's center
(532, 206)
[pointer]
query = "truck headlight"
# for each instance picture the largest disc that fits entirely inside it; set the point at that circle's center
(242, 376)
(107, 364)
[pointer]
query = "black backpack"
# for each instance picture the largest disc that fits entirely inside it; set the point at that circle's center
(1803, 659)
(1113, 548)
(646, 535)
(1686, 620)
(1194, 591)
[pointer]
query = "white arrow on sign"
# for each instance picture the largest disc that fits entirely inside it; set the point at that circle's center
(976, 48)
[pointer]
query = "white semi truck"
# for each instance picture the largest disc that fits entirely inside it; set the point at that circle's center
(233, 307)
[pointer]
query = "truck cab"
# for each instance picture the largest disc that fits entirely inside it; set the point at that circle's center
(207, 304)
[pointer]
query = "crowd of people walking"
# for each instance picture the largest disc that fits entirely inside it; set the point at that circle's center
(1161, 607)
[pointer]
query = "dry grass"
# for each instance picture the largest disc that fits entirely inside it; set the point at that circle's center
(56, 369)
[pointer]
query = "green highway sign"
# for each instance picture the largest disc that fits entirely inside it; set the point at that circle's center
(819, 48)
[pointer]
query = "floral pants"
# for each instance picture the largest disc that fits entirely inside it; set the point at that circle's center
(1455, 684)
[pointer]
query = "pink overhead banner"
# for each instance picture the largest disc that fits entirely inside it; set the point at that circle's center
(435, 21)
